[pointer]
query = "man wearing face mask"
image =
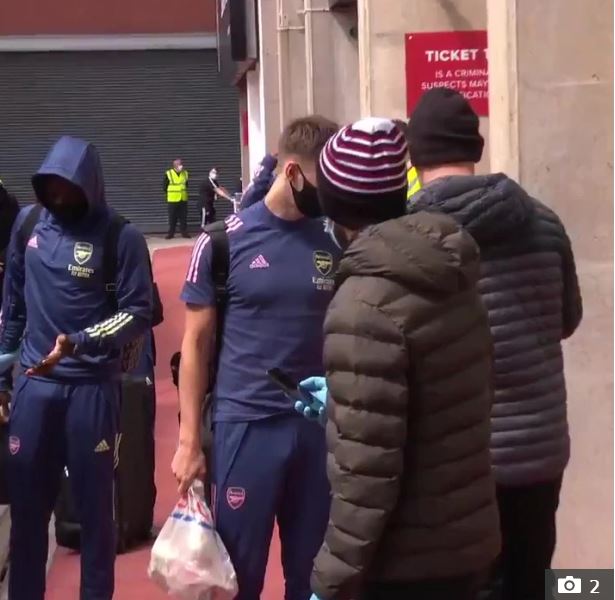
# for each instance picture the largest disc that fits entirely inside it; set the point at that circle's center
(261, 182)
(74, 324)
(210, 190)
(268, 462)
(175, 185)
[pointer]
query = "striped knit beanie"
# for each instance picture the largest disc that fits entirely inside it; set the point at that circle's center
(361, 174)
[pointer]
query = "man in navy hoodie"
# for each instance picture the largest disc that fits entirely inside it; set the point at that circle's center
(261, 183)
(65, 404)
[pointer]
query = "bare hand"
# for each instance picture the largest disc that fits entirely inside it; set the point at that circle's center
(62, 348)
(5, 399)
(188, 464)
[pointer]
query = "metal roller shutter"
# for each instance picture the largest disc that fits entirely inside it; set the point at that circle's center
(142, 109)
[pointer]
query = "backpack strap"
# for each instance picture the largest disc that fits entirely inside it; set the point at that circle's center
(220, 259)
(109, 266)
(28, 225)
(220, 265)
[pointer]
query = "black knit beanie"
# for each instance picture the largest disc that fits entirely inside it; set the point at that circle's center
(443, 130)
(361, 174)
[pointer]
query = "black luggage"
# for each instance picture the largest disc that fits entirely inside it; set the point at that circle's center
(135, 490)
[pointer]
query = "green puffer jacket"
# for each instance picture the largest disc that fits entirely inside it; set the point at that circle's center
(408, 355)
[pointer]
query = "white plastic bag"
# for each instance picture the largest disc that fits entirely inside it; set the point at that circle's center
(189, 560)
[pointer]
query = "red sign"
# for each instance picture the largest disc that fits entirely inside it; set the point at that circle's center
(453, 59)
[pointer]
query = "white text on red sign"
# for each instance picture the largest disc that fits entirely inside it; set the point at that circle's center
(465, 54)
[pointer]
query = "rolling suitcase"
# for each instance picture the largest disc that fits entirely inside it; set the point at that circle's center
(135, 490)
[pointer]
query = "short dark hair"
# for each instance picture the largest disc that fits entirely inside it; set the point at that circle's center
(306, 137)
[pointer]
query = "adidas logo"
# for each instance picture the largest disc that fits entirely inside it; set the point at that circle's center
(102, 446)
(33, 242)
(259, 263)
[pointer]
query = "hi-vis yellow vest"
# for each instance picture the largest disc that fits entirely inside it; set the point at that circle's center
(414, 185)
(177, 190)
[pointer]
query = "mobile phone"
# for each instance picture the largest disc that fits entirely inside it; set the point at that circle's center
(290, 387)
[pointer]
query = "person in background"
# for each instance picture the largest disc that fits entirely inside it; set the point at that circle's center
(144, 371)
(414, 184)
(261, 182)
(175, 185)
(65, 409)
(208, 193)
(268, 463)
(9, 208)
(530, 288)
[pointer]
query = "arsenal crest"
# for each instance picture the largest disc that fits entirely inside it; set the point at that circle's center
(235, 497)
(323, 261)
(14, 445)
(82, 252)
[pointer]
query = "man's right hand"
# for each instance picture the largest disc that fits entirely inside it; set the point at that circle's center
(188, 464)
(5, 400)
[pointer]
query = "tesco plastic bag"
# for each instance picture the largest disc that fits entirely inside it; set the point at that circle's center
(189, 560)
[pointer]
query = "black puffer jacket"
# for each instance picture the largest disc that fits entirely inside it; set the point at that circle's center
(530, 289)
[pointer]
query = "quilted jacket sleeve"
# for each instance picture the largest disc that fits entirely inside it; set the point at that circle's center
(367, 365)
(571, 302)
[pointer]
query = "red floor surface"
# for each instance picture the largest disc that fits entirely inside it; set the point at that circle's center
(131, 581)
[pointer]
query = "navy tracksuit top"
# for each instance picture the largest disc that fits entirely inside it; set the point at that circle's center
(57, 281)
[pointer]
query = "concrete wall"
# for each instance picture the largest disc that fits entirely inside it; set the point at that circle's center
(308, 62)
(551, 93)
(291, 60)
(256, 133)
(268, 67)
(382, 27)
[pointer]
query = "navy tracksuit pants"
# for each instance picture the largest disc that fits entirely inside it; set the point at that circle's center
(53, 425)
(263, 470)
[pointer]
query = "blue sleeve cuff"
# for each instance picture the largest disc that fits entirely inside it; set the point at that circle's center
(78, 339)
(270, 162)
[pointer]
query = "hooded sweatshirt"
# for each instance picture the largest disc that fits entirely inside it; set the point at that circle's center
(408, 357)
(261, 183)
(56, 285)
(530, 289)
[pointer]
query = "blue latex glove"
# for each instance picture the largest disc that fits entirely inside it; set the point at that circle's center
(317, 387)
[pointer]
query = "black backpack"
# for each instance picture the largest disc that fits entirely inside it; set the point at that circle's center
(220, 262)
(131, 352)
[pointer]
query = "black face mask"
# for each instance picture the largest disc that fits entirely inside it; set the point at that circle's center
(69, 214)
(307, 198)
